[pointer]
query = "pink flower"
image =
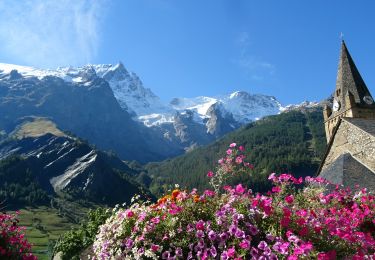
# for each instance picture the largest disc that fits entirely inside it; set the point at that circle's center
(289, 199)
(241, 148)
(141, 216)
(285, 222)
(301, 213)
(303, 232)
(239, 160)
(199, 225)
(227, 188)
(232, 145)
(155, 248)
(155, 220)
(245, 244)
(287, 212)
(297, 181)
(229, 151)
(210, 174)
(272, 176)
(240, 189)
(306, 247)
(175, 211)
(129, 213)
(209, 193)
(301, 221)
(331, 255)
(231, 252)
(276, 189)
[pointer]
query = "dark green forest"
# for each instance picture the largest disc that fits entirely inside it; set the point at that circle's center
(19, 185)
(292, 142)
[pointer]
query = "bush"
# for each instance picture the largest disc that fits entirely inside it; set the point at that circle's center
(73, 242)
(13, 244)
(289, 222)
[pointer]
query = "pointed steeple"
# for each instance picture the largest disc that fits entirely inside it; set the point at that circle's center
(352, 98)
(350, 82)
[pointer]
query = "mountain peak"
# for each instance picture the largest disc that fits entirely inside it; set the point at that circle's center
(120, 68)
(239, 94)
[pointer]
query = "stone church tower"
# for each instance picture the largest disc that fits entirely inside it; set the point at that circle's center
(350, 129)
(351, 97)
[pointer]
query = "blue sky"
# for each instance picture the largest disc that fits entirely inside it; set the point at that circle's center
(288, 49)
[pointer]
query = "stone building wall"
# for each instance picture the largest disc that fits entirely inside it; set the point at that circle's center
(352, 139)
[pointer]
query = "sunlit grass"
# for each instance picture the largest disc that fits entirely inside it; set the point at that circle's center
(44, 226)
(38, 127)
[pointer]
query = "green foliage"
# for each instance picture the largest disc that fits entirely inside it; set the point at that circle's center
(290, 142)
(73, 242)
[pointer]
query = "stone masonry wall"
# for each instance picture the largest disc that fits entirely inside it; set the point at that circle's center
(352, 139)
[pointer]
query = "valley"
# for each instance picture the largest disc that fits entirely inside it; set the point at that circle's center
(75, 139)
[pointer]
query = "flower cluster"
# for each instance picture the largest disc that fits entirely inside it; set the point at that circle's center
(289, 222)
(13, 244)
(233, 163)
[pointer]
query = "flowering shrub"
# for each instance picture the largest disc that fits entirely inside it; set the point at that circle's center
(13, 244)
(234, 223)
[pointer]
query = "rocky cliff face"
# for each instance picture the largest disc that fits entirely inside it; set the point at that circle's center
(64, 166)
(86, 107)
(188, 130)
(220, 121)
(110, 107)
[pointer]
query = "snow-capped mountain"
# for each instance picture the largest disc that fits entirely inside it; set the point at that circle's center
(126, 86)
(244, 106)
(129, 90)
(145, 106)
(187, 119)
(303, 105)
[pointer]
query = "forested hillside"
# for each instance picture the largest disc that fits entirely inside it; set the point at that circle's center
(36, 170)
(290, 142)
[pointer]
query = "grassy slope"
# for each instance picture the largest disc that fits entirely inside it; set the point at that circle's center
(289, 142)
(38, 127)
(45, 224)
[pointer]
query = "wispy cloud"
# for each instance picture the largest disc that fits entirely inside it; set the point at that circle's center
(254, 67)
(49, 33)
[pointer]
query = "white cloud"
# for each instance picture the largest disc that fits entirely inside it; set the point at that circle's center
(50, 33)
(254, 67)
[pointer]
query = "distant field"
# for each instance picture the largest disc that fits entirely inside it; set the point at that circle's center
(44, 226)
(38, 127)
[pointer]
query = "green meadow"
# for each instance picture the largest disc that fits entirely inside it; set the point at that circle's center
(44, 226)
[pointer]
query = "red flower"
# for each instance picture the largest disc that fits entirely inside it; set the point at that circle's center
(331, 255)
(285, 222)
(303, 231)
(155, 248)
(289, 199)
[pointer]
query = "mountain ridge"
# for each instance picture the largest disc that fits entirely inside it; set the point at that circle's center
(293, 141)
(66, 167)
(142, 103)
(164, 129)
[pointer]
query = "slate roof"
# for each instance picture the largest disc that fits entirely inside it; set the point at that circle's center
(349, 80)
(347, 171)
